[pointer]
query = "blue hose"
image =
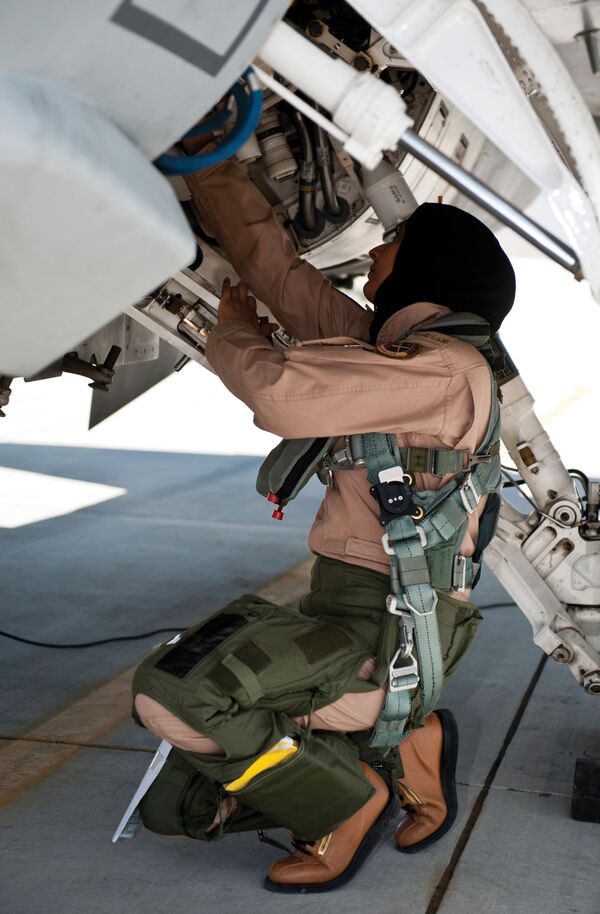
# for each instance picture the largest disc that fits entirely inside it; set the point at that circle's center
(214, 123)
(249, 109)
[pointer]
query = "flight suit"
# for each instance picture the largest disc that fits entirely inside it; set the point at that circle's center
(255, 673)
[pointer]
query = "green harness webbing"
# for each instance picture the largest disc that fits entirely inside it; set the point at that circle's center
(424, 553)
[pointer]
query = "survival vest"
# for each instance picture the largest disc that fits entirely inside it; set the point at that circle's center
(423, 530)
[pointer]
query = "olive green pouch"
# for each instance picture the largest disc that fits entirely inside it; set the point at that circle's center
(166, 807)
(182, 801)
(314, 790)
(290, 465)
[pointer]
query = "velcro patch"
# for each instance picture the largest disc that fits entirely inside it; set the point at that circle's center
(253, 656)
(323, 642)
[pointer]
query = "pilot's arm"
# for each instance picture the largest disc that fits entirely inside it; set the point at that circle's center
(324, 390)
(299, 296)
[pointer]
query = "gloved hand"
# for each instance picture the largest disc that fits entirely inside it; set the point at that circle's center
(237, 304)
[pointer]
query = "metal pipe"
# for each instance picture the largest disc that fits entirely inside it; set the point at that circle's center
(492, 202)
(326, 171)
(308, 175)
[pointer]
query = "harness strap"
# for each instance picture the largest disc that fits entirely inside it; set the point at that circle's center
(413, 600)
(435, 461)
(425, 557)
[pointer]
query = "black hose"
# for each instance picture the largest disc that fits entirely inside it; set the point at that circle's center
(326, 172)
(308, 175)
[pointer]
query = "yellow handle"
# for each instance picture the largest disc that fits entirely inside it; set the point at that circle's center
(281, 751)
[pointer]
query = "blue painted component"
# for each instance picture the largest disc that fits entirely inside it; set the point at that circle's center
(249, 108)
(214, 123)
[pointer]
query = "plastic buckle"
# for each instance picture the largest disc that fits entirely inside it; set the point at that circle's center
(394, 474)
(401, 672)
(460, 569)
(470, 485)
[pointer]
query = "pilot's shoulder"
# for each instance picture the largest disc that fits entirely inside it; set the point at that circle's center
(460, 354)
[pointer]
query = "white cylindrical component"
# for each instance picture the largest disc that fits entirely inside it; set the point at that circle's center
(307, 66)
(532, 451)
(389, 195)
(248, 151)
(370, 112)
(277, 155)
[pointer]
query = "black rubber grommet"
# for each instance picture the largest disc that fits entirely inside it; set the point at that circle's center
(342, 215)
(301, 229)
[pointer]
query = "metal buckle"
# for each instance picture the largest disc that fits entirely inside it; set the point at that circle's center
(418, 612)
(391, 604)
(474, 459)
(403, 671)
(385, 542)
(325, 476)
(469, 484)
(460, 563)
(389, 550)
(344, 459)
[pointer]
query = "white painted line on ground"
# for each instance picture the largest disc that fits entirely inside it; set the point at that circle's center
(26, 497)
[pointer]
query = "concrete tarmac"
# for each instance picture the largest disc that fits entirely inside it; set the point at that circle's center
(188, 534)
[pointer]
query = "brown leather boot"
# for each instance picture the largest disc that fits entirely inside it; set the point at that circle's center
(427, 790)
(325, 864)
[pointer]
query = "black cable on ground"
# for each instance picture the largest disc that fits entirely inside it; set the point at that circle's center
(155, 631)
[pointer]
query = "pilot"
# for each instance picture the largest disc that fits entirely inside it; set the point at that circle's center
(270, 710)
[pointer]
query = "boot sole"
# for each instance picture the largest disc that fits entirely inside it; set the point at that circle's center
(368, 843)
(449, 759)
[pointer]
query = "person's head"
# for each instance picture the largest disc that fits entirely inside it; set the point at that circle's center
(444, 255)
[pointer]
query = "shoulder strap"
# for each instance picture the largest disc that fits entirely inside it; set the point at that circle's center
(463, 325)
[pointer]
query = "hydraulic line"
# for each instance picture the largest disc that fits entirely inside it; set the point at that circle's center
(216, 122)
(308, 175)
(326, 172)
(248, 116)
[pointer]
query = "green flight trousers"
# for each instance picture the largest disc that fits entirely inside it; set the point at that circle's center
(241, 675)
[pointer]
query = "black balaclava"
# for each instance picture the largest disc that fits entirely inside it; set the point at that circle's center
(448, 257)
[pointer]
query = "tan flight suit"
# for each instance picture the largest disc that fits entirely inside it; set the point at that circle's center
(334, 383)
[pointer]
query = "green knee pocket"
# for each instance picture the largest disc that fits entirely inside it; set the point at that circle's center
(252, 654)
(314, 790)
(182, 801)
